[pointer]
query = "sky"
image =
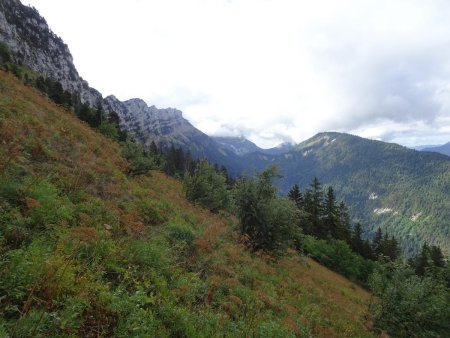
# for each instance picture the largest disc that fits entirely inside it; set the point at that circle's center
(271, 70)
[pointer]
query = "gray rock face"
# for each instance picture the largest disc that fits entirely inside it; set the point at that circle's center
(28, 36)
(147, 124)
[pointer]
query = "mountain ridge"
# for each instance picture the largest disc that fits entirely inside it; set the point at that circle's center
(242, 146)
(442, 149)
(403, 191)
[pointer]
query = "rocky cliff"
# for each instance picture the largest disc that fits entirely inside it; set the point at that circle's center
(167, 127)
(33, 43)
(147, 124)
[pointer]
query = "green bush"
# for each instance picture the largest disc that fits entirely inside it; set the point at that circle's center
(152, 212)
(207, 188)
(408, 305)
(46, 207)
(109, 129)
(338, 256)
(140, 161)
(21, 270)
(182, 233)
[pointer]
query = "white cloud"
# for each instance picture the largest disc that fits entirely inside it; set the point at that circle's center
(272, 70)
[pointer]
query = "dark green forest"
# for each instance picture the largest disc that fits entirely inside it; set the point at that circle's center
(402, 191)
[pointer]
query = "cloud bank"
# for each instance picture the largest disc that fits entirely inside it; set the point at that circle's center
(271, 70)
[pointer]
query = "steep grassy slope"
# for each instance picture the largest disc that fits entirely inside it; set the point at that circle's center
(87, 251)
(406, 192)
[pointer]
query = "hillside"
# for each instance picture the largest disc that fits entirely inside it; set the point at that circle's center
(401, 190)
(86, 250)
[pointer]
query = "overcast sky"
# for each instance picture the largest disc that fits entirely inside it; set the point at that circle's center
(271, 70)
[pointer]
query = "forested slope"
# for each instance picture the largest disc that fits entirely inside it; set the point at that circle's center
(403, 191)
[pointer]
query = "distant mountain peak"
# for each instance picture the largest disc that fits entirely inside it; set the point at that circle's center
(443, 149)
(237, 144)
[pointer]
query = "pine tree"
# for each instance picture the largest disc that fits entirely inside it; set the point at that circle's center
(330, 227)
(295, 196)
(377, 243)
(391, 248)
(437, 257)
(423, 260)
(271, 223)
(357, 243)
(343, 228)
(314, 205)
(207, 187)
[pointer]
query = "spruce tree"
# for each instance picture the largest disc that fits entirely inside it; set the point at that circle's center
(295, 196)
(357, 243)
(437, 257)
(377, 243)
(423, 260)
(314, 206)
(331, 218)
(343, 227)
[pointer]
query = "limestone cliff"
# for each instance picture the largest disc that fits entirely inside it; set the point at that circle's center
(33, 43)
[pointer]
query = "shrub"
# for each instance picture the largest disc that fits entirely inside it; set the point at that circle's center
(140, 161)
(338, 256)
(44, 206)
(109, 129)
(207, 188)
(408, 305)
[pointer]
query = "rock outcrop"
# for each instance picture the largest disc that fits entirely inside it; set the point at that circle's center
(33, 44)
(166, 127)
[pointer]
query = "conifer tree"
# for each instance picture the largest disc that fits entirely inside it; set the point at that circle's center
(423, 260)
(314, 205)
(391, 248)
(295, 196)
(437, 257)
(330, 226)
(357, 242)
(270, 222)
(377, 243)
